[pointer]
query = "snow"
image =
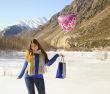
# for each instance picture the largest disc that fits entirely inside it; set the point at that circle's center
(33, 23)
(87, 73)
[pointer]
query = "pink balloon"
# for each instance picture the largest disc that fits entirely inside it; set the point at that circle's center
(67, 22)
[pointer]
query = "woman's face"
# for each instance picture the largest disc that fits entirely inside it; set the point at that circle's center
(34, 47)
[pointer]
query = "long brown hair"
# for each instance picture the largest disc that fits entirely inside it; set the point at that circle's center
(30, 53)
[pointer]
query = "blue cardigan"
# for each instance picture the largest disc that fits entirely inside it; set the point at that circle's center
(47, 62)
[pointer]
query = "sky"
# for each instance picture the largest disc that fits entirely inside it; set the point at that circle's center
(12, 11)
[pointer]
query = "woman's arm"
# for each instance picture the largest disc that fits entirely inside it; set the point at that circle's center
(23, 69)
(52, 60)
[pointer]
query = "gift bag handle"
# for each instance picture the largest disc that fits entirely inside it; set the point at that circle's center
(62, 58)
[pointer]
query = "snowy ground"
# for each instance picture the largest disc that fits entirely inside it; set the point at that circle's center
(87, 73)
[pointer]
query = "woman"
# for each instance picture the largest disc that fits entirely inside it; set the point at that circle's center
(34, 67)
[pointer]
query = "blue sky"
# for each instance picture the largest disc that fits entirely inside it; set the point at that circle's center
(12, 11)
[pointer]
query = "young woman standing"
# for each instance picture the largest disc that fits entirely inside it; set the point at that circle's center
(34, 67)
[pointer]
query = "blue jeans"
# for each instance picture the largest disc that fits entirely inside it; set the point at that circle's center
(38, 82)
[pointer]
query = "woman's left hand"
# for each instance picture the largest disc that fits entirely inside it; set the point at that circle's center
(18, 78)
(60, 54)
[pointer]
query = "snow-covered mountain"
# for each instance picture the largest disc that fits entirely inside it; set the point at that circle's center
(14, 29)
(24, 25)
(33, 23)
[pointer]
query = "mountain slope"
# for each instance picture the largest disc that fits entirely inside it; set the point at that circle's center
(92, 29)
(26, 25)
(12, 30)
(92, 26)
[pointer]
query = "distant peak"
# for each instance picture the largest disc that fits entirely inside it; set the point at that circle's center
(33, 23)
